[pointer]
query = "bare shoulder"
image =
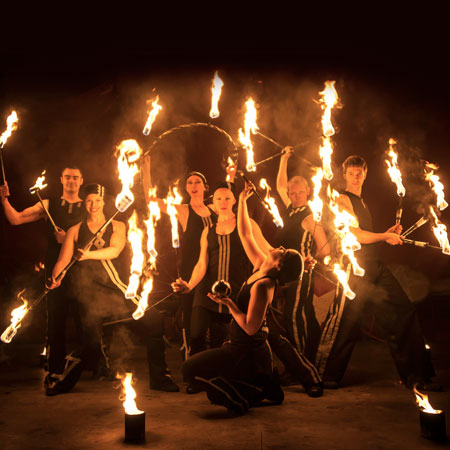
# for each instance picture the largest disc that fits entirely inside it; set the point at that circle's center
(118, 226)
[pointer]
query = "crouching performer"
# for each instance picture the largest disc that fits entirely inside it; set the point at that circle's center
(240, 374)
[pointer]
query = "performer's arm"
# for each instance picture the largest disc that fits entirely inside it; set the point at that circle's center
(254, 253)
(364, 236)
(282, 178)
(116, 245)
(15, 217)
(261, 295)
(199, 270)
(259, 238)
(318, 233)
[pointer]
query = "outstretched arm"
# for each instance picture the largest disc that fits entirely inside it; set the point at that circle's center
(282, 179)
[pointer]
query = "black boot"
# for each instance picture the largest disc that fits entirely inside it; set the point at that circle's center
(160, 379)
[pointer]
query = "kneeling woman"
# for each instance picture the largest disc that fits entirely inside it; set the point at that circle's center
(240, 373)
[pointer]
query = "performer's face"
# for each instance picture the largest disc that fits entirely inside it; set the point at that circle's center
(71, 179)
(354, 177)
(223, 201)
(195, 186)
(276, 256)
(298, 193)
(94, 204)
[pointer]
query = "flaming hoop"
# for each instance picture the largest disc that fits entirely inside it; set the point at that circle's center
(216, 90)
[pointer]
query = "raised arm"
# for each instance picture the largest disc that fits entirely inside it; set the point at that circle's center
(254, 253)
(282, 178)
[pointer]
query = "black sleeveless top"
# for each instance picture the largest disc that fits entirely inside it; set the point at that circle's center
(65, 215)
(292, 235)
(190, 241)
(237, 334)
(362, 213)
(227, 261)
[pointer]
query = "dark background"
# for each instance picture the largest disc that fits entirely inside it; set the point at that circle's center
(77, 101)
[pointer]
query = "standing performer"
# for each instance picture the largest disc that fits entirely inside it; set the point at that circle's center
(379, 292)
(240, 373)
(303, 234)
(100, 293)
(66, 211)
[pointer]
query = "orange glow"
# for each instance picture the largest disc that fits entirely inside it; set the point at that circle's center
(216, 90)
(343, 279)
(39, 266)
(128, 153)
(328, 101)
(325, 152)
(11, 125)
(156, 108)
(17, 316)
(128, 395)
(135, 236)
(435, 184)
(250, 126)
(270, 204)
(440, 231)
(172, 199)
(39, 184)
(393, 170)
(316, 204)
(424, 404)
(230, 164)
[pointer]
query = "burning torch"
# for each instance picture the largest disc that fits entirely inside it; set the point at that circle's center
(152, 116)
(11, 125)
(396, 177)
(216, 90)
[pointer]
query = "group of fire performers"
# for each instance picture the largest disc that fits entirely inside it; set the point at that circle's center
(242, 298)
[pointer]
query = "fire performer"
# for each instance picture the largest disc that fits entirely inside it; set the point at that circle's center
(379, 292)
(240, 373)
(300, 232)
(100, 293)
(66, 211)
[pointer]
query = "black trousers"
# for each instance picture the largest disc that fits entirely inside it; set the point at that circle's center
(380, 293)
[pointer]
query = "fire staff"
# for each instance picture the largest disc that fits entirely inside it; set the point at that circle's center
(379, 292)
(66, 211)
(302, 233)
(240, 374)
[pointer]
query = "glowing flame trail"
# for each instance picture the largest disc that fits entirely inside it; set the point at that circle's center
(316, 204)
(216, 90)
(173, 198)
(128, 395)
(249, 127)
(17, 316)
(440, 231)
(435, 184)
(135, 237)
(424, 404)
(152, 116)
(11, 125)
(270, 204)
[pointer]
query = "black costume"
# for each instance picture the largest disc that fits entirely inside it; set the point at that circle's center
(227, 261)
(379, 292)
(59, 301)
(190, 251)
(239, 374)
(295, 344)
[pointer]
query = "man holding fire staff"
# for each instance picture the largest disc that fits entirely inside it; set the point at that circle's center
(378, 291)
(65, 211)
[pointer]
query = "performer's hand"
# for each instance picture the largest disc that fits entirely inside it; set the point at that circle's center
(310, 263)
(4, 190)
(247, 191)
(219, 299)
(52, 283)
(60, 235)
(83, 254)
(180, 286)
(397, 228)
(287, 151)
(393, 239)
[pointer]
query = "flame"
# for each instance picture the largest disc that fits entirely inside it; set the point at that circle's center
(156, 108)
(393, 170)
(173, 198)
(316, 204)
(39, 184)
(343, 279)
(135, 236)
(216, 90)
(154, 216)
(17, 316)
(44, 351)
(249, 126)
(11, 125)
(325, 153)
(270, 204)
(435, 184)
(128, 394)
(440, 231)
(230, 163)
(128, 153)
(39, 266)
(424, 404)
(328, 101)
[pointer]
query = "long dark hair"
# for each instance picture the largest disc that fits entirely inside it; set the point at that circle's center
(291, 267)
